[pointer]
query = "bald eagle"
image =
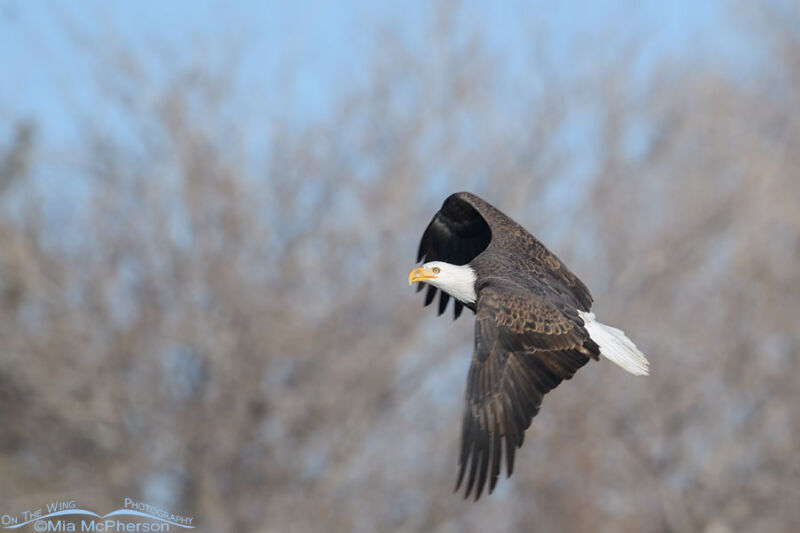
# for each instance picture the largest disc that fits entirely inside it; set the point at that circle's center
(533, 326)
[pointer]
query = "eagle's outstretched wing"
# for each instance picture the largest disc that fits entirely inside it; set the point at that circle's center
(525, 345)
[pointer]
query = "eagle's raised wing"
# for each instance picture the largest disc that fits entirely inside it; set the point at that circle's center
(525, 345)
(456, 235)
(466, 225)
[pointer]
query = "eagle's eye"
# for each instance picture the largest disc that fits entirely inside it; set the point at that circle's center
(436, 270)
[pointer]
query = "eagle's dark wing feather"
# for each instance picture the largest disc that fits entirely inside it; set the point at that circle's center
(524, 347)
(456, 234)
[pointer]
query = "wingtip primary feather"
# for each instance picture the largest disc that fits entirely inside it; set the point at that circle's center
(615, 346)
(457, 308)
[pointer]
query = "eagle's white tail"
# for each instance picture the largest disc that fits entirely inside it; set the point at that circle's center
(614, 345)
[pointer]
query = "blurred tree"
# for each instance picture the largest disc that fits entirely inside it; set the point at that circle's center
(231, 336)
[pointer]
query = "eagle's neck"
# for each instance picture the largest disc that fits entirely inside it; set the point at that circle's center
(459, 282)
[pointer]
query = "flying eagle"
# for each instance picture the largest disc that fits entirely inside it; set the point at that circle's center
(533, 327)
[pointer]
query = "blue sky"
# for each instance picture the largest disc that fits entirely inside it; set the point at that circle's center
(328, 42)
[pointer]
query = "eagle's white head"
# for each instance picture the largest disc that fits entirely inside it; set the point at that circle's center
(457, 281)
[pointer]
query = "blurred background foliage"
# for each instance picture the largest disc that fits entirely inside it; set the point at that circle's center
(203, 299)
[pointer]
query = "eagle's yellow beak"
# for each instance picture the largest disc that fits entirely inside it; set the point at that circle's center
(420, 274)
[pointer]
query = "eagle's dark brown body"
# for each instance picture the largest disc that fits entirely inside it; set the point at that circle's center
(528, 332)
